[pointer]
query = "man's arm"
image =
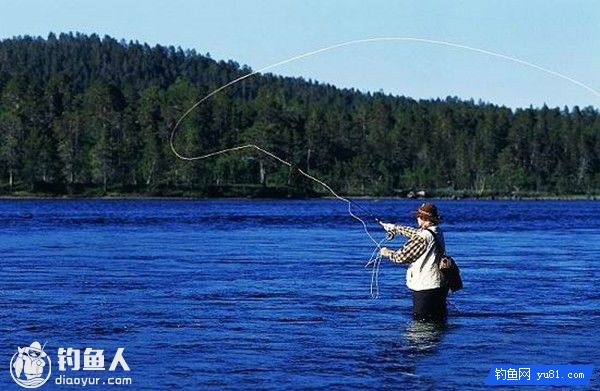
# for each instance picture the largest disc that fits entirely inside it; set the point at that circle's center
(409, 232)
(411, 251)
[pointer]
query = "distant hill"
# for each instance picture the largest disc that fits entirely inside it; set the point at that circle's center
(84, 115)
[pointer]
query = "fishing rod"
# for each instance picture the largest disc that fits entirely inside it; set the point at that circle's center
(366, 210)
(337, 46)
(390, 235)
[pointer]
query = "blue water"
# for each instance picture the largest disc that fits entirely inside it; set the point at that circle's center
(274, 294)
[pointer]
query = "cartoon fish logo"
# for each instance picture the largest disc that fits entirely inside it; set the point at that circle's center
(29, 365)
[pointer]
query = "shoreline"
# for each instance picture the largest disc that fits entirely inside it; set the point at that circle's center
(119, 196)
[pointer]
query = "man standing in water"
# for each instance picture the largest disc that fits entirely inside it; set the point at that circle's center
(422, 252)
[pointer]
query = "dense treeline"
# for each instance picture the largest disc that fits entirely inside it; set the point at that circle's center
(85, 115)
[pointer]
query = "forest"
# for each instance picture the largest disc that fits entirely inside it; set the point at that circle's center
(83, 115)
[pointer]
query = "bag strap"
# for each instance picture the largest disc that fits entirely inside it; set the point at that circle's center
(437, 242)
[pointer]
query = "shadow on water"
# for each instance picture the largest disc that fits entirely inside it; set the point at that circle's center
(422, 338)
(401, 355)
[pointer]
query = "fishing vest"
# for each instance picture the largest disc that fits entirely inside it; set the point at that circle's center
(424, 273)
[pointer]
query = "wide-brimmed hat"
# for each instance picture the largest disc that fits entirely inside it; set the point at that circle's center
(428, 211)
(35, 347)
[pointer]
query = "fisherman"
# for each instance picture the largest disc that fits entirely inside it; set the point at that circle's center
(421, 253)
(30, 361)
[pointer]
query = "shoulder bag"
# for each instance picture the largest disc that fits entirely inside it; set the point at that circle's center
(448, 266)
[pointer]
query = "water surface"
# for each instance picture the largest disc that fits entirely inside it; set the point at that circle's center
(257, 294)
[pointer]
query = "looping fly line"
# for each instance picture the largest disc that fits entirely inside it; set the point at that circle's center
(375, 260)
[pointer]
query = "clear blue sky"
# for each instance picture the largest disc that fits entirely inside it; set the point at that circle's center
(560, 35)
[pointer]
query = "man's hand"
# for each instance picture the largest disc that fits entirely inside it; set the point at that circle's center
(387, 226)
(385, 252)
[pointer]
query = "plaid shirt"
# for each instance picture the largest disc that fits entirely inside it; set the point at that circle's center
(412, 249)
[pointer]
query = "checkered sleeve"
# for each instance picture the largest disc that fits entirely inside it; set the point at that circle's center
(411, 251)
(409, 232)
